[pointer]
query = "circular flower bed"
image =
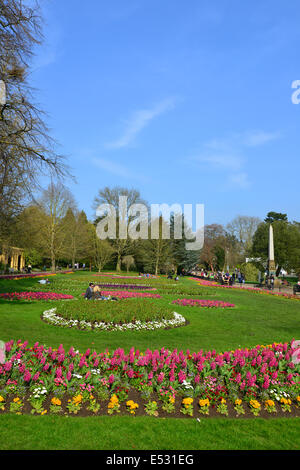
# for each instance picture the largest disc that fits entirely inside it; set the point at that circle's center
(127, 286)
(202, 303)
(123, 294)
(50, 316)
(35, 296)
(110, 315)
(118, 277)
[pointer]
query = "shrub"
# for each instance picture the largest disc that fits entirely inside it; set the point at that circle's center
(250, 272)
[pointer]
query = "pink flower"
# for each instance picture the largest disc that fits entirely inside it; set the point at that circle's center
(160, 377)
(181, 376)
(27, 376)
(7, 366)
(238, 378)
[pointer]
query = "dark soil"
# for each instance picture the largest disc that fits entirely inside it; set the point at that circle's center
(140, 411)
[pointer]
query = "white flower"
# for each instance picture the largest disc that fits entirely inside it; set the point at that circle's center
(77, 376)
(51, 317)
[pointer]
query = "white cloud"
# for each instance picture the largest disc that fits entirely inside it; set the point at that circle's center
(229, 154)
(139, 120)
(256, 138)
(239, 180)
(217, 160)
(116, 169)
(111, 167)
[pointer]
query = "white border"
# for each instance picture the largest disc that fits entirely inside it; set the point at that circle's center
(50, 316)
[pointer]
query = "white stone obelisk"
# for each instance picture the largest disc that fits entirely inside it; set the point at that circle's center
(271, 260)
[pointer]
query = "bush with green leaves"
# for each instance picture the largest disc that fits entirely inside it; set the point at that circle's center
(250, 272)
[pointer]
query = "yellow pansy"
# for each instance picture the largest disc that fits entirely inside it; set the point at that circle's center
(204, 402)
(56, 401)
(270, 403)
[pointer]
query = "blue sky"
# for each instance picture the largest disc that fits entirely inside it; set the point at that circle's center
(187, 101)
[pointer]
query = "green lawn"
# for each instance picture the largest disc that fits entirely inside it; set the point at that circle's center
(145, 433)
(256, 319)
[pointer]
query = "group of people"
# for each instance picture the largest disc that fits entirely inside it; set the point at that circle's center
(44, 281)
(146, 275)
(27, 269)
(93, 292)
(221, 276)
(77, 266)
(269, 281)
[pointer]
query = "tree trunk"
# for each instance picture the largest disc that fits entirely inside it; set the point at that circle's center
(156, 266)
(118, 265)
(53, 263)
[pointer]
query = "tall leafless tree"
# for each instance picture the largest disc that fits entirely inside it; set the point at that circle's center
(26, 150)
(111, 196)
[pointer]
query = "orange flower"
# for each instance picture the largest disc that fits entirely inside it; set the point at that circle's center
(56, 401)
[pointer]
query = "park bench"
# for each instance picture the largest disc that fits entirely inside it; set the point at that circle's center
(296, 289)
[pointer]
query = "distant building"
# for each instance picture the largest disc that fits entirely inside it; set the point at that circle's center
(249, 260)
(13, 258)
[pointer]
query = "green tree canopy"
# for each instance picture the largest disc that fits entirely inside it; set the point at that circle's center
(272, 216)
(286, 244)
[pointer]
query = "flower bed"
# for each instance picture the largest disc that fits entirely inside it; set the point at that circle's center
(105, 314)
(118, 277)
(202, 303)
(123, 294)
(50, 316)
(127, 286)
(16, 277)
(35, 296)
(261, 381)
(204, 282)
(256, 290)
